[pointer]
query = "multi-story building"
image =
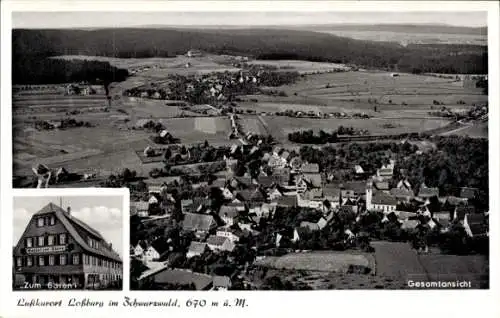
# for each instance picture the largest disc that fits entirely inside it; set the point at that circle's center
(58, 248)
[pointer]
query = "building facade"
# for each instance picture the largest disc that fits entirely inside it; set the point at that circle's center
(57, 248)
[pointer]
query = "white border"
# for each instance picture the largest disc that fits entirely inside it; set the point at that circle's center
(363, 303)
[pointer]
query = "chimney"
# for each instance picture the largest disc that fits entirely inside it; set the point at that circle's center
(69, 210)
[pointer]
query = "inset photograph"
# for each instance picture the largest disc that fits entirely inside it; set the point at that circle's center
(67, 243)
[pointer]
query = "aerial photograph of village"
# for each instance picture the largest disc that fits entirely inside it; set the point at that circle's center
(279, 151)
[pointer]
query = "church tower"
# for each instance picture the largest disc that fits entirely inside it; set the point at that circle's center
(369, 192)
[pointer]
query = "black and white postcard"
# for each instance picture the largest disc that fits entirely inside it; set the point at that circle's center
(276, 146)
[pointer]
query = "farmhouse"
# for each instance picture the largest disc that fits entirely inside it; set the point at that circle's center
(199, 223)
(220, 243)
(56, 247)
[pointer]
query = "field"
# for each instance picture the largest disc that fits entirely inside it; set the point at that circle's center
(406, 38)
(302, 67)
(393, 265)
(281, 126)
(401, 263)
(396, 104)
(318, 261)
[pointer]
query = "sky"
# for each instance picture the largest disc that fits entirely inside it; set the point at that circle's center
(130, 19)
(103, 213)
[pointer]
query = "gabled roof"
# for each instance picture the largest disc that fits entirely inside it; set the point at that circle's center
(216, 240)
(313, 194)
(70, 222)
(383, 198)
(383, 185)
(330, 191)
(359, 187)
(310, 168)
(426, 192)
(401, 193)
(251, 195)
(198, 222)
(358, 169)
(197, 247)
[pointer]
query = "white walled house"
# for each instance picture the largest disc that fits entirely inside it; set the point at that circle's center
(150, 254)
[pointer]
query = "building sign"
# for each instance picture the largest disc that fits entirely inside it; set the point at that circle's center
(46, 249)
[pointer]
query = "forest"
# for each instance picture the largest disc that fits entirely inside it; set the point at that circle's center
(40, 69)
(256, 43)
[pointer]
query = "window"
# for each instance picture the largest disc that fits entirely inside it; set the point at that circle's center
(76, 259)
(90, 242)
(19, 262)
(99, 262)
(41, 261)
(62, 239)
(29, 242)
(62, 259)
(94, 260)
(52, 220)
(29, 261)
(41, 241)
(39, 222)
(51, 260)
(50, 240)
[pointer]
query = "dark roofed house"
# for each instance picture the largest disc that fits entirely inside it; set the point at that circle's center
(357, 187)
(402, 194)
(198, 222)
(251, 196)
(220, 243)
(476, 225)
(165, 277)
(196, 249)
(383, 185)
(426, 192)
(331, 193)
